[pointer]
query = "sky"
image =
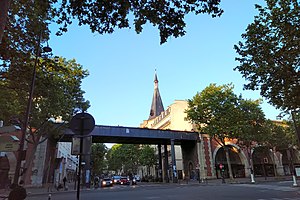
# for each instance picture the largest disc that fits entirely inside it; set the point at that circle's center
(122, 65)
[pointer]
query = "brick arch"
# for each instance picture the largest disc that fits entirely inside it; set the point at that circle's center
(241, 155)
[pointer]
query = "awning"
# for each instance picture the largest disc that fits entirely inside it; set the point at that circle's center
(9, 129)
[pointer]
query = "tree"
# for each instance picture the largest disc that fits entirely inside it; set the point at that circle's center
(106, 16)
(215, 111)
(147, 157)
(99, 151)
(114, 161)
(57, 95)
(269, 56)
(252, 129)
(124, 157)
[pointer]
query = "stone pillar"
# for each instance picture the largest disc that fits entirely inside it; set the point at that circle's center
(201, 159)
(159, 163)
(166, 164)
(174, 169)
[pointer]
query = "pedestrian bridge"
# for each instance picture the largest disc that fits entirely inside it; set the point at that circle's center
(132, 135)
(188, 141)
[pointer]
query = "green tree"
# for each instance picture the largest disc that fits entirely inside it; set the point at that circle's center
(252, 129)
(113, 157)
(99, 151)
(124, 157)
(280, 135)
(147, 157)
(215, 111)
(106, 16)
(269, 56)
(57, 95)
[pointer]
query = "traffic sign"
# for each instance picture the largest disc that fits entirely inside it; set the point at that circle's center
(82, 123)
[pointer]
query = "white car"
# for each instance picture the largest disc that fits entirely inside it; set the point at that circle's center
(137, 178)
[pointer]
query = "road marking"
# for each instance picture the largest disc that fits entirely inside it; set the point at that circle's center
(280, 199)
(270, 187)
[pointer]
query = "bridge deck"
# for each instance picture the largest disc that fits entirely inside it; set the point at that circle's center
(133, 135)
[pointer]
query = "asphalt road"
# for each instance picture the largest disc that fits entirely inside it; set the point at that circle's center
(265, 191)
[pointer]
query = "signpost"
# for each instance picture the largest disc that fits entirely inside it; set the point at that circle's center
(9, 143)
(81, 124)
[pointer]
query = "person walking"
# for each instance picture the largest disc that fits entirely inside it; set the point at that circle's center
(65, 180)
(18, 192)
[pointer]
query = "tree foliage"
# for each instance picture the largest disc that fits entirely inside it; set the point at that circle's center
(281, 135)
(215, 112)
(57, 94)
(223, 115)
(57, 91)
(269, 56)
(106, 16)
(252, 125)
(124, 157)
(128, 157)
(99, 151)
(147, 156)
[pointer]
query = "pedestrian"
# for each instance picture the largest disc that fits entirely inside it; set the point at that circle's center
(18, 192)
(65, 180)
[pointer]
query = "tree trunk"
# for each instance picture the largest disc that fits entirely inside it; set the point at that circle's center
(4, 6)
(30, 158)
(228, 162)
(250, 160)
(296, 125)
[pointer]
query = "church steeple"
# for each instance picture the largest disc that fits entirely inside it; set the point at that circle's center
(157, 105)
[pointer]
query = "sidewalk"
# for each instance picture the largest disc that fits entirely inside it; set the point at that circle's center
(209, 182)
(239, 180)
(47, 189)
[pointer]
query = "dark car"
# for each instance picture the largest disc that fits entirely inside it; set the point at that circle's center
(124, 181)
(116, 179)
(106, 182)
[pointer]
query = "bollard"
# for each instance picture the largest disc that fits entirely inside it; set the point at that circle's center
(49, 197)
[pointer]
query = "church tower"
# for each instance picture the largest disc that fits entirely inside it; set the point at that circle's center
(157, 105)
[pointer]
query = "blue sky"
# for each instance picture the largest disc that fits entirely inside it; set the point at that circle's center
(122, 65)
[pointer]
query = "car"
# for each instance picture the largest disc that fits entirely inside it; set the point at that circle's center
(137, 178)
(106, 182)
(116, 179)
(124, 181)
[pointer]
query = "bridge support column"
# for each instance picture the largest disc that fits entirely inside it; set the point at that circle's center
(166, 164)
(174, 169)
(159, 163)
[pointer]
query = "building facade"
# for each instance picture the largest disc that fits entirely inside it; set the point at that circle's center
(266, 162)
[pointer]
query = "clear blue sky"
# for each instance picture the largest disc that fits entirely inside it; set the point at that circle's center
(121, 65)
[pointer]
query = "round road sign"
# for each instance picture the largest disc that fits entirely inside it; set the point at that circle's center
(82, 123)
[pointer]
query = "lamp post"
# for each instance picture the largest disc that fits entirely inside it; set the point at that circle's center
(28, 109)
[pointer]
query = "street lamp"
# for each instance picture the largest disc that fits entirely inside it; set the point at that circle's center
(21, 154)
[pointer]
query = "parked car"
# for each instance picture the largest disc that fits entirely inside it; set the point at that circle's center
(116, 179)
(106, 182)
(124, 181)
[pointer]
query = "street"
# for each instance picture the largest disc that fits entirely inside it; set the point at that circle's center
(262, 191)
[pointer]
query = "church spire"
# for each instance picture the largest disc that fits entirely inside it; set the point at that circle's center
(157, 105)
